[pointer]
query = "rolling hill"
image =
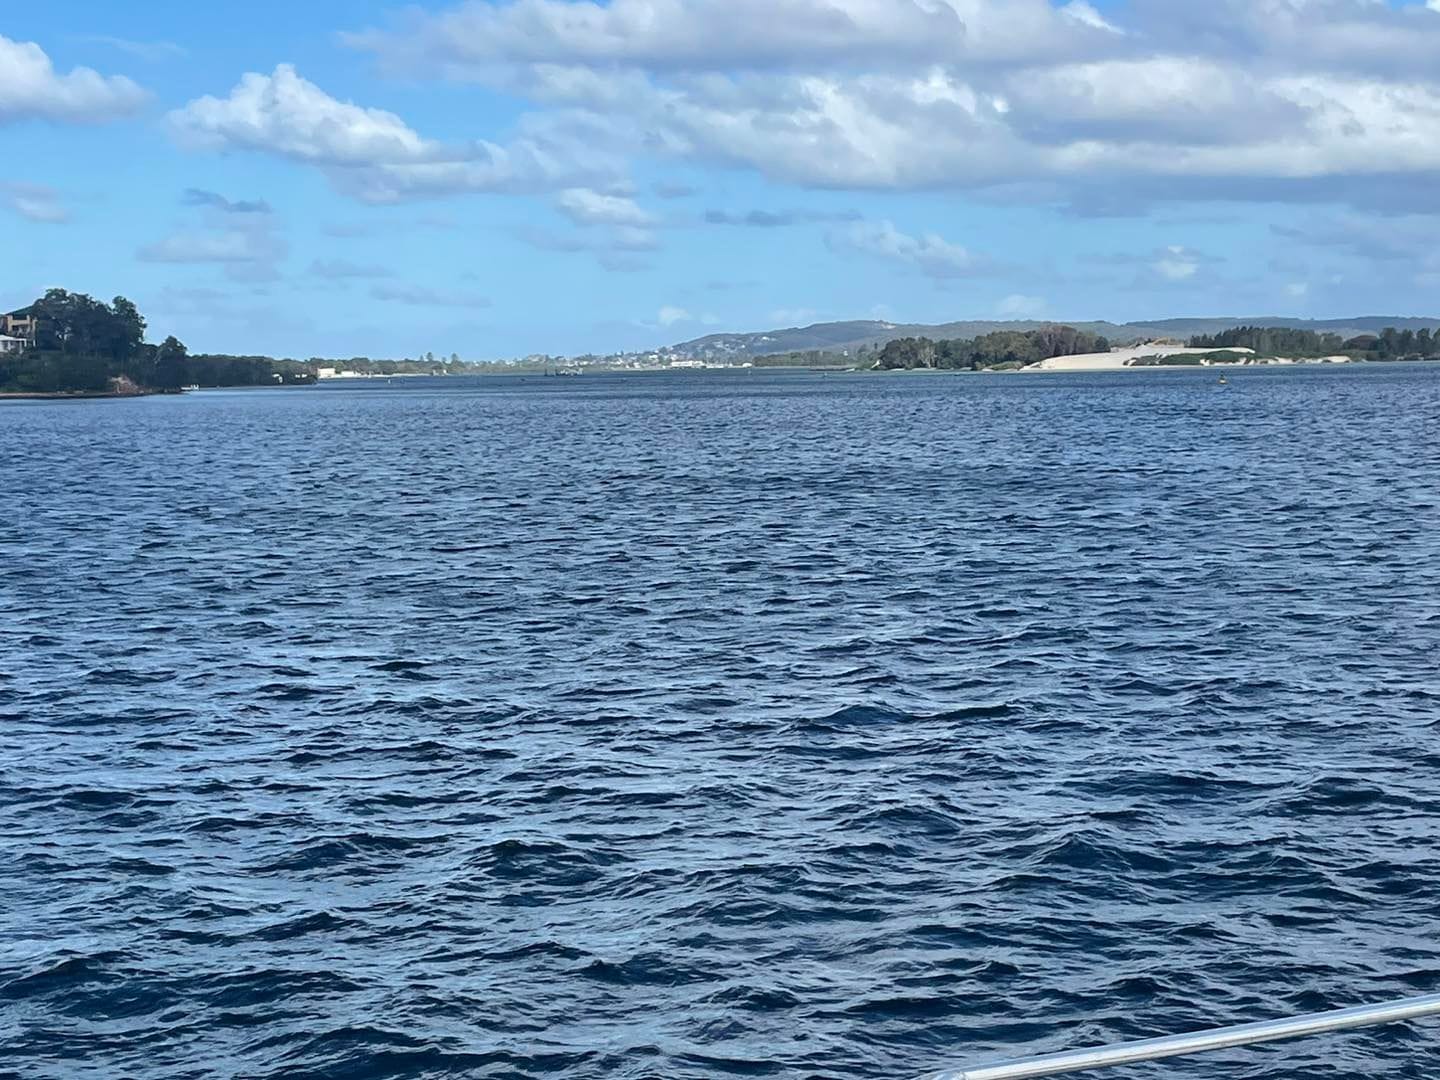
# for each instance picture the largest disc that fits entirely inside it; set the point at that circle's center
(842, 337)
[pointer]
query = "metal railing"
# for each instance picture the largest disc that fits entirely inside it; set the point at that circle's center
(1100, 1057)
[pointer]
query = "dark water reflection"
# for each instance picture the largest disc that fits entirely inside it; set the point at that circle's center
(693, 726)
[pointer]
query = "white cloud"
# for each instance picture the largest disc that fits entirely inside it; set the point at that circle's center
(31, 88)
(586, 207)
(479, 39)
(919, 94)
(35, 202)
(371, 153)
(1154, 100)
(669, 316)
(1175, 263)
(672, 33)
(1231, 98)
(931, 254)
(286, 115)
(1300, 289)
(1085, 14)
(1297, 36)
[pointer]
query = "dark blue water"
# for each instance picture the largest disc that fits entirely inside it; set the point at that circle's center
(717, 725)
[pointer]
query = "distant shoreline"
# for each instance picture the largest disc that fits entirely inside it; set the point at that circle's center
(76, 395)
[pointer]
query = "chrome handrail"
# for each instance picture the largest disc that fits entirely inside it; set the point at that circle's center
(1099, 1057)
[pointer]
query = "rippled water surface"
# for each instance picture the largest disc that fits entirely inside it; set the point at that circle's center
(717, 725)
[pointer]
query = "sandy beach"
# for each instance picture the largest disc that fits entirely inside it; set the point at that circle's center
(1120, 359)
(1124, 359)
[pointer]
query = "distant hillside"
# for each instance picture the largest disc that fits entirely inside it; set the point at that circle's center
(839, 337)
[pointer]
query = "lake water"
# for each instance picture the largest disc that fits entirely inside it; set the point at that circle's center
(718, 725)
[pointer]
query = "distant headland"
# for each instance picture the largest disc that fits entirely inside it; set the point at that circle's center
(69, 345)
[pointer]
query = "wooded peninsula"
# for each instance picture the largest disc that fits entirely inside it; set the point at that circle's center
(79, 345)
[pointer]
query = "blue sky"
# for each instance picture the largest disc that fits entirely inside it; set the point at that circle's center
(516, 176)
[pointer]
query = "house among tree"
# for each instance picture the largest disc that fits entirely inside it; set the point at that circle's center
(18, 325)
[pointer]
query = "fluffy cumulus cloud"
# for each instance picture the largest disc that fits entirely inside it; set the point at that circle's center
(31, 88)
(368, 152)
(1104, 110)
(1245, 97)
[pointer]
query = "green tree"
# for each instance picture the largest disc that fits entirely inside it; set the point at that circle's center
(126, 328)
(171, 363)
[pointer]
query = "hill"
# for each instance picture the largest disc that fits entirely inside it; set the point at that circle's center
(841, 337)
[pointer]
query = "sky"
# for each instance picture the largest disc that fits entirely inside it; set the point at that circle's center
(496, 178)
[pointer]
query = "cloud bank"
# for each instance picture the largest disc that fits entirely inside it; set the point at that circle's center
(1027, 99)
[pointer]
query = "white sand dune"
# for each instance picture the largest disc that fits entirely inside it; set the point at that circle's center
(1119, 359)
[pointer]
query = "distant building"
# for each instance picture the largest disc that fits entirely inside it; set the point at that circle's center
(19, 324)
(10, 344)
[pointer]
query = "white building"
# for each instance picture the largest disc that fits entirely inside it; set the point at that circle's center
(11, 344)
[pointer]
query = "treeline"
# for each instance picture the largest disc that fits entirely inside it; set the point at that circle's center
(1389, 344)
(812, 358)
(1004, 348)
(84, 345)
(428, 364)
(219, 369)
